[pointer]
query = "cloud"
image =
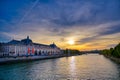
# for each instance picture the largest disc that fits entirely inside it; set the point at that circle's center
(104, 32)
(85, 21)
(111, 30)
(87, 13)
(4, 36)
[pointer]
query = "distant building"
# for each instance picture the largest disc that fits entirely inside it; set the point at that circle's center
(26, 47)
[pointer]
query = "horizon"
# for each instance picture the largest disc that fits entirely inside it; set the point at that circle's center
(73, 24)
(57, 46)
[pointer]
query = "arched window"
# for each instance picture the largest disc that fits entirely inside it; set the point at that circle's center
(35, 52)
(42, 51)
(39, 52)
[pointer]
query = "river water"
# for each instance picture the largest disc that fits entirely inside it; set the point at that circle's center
(83, 67)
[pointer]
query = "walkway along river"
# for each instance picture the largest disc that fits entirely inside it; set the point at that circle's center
(83, 67)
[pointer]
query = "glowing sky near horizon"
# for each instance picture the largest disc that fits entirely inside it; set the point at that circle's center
(90, 24)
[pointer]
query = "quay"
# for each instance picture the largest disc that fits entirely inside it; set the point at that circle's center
(9, 60)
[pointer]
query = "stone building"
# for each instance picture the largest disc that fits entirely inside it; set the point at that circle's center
(26, 47)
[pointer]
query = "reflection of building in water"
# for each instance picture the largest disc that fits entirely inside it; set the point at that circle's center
(27, 47)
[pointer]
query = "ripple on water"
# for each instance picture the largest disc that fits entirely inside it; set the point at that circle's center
(84, 67)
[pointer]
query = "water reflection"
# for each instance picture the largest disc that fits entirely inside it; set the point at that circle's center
(93, 67)
(72, 66)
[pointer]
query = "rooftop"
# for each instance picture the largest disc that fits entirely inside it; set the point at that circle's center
(28, 41)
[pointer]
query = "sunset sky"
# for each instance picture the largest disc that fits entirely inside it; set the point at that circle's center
(87, 24)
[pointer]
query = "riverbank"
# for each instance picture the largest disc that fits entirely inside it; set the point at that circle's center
(9, 60)
(113, 58)
(26, 59)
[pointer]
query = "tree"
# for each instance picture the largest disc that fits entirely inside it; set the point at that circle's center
(115, 52)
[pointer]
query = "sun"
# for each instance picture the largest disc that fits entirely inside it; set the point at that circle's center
(71, 42)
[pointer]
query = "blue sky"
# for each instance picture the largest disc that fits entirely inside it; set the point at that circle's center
(92, 24)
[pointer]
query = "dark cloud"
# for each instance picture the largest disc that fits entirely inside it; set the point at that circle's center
(62, 13)
(98, 37)
(58, 32)
(88, 13)
(110, 30)
(86, 40)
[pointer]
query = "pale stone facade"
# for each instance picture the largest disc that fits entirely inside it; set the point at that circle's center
(26, 47)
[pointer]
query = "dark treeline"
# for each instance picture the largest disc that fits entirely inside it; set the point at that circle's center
(115, 52)
(71, 52)
(91, 51)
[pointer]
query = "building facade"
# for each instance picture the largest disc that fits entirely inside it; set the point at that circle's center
(26, 47)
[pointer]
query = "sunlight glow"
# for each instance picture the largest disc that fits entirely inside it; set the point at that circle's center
(71, 42)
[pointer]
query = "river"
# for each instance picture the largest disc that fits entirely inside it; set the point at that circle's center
(83, 67)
